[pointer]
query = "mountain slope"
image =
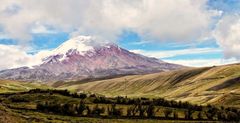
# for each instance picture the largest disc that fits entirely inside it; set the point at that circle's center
(220, 85)
(85, 57)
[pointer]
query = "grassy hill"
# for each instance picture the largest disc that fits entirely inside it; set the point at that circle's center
(215, 85)
(218, 85)
(15, 86)
(208, 85)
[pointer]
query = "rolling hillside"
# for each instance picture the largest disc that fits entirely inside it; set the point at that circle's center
(15, 86)
(215, 85)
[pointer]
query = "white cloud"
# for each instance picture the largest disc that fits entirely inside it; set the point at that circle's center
(227, 34)
(178, 20)
(13, 56)
(203, 62)
(42, 29)
(173, 53)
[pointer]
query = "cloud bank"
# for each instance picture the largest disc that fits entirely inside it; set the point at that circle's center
(158, 20)
(177, 20)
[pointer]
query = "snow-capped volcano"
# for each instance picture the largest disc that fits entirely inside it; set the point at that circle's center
(78, 45)
(85, 57)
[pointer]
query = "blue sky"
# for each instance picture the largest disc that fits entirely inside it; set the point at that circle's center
(204, 37)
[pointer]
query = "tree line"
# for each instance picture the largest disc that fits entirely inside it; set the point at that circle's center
(136, 108)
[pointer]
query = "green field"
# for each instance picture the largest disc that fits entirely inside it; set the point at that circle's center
(62, 106)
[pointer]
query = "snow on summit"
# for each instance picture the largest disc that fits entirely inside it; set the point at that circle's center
(80, 44)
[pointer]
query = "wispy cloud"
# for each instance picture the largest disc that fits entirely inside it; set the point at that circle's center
(173, 53)
(203, 62)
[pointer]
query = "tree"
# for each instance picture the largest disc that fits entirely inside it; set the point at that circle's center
(89, 111)
(211, 112)
(82, 96)
(96, 111)
(175, 115)
(81, 107)
(151, 111)
(75, 95)
(167, 112)
(131, 111)
(69, 109)
(221, 115)
(188, 114)
(232, 116)
(200, 115)
(113, 111)
(141, 109)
